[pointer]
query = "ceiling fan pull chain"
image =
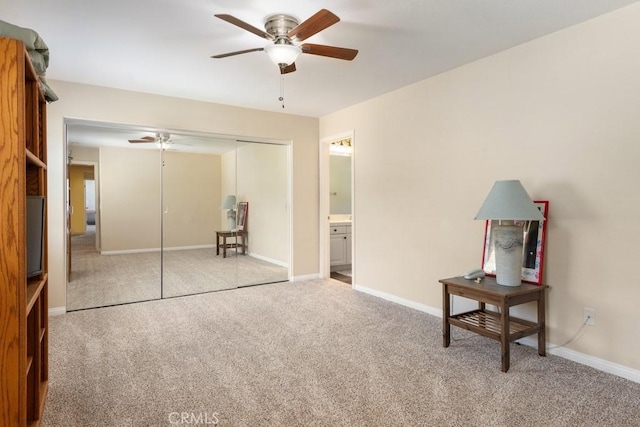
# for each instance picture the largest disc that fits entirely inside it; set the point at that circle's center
(281, 99)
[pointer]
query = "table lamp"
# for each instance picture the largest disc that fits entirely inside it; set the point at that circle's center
(230, 203)
(508, 202)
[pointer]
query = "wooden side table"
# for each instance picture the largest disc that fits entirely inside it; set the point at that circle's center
(496, 325)
(238, 243)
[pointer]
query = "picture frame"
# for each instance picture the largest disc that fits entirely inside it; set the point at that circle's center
(243, 211)
(534, 238)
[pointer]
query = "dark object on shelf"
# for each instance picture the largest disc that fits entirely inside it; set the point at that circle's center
(35, 234)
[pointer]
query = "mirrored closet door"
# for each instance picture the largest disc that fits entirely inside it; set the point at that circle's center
(175, 213)
(114, 255)
(262, 186)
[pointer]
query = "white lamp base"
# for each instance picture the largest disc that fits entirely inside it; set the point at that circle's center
(508, 254)
(231, 220)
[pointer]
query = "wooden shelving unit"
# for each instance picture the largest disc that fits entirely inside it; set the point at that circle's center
(24, 337)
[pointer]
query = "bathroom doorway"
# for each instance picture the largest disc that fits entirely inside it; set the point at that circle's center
(337, 205)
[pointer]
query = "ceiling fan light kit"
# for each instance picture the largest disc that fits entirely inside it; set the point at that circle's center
(283, 53)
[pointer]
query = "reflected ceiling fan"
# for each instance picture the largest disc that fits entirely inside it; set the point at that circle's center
(160, 137)
(163, 140)
(285, 32)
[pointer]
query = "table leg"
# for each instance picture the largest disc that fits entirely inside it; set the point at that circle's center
(217, 244)
(504, 337)
(446, 312)
(542, 340)
(224, 246)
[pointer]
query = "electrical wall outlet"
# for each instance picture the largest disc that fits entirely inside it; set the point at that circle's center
(589, 317)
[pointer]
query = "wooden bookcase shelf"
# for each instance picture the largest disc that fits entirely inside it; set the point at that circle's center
(34, 289)
(34, 160)
(24, 331)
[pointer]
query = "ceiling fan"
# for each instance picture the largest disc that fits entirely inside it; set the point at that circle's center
(160, 137)
(285, 32)
(163, 140)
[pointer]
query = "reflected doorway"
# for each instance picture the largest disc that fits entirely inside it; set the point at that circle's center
(81, 222)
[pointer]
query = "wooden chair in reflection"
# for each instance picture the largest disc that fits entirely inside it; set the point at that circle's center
(235, 239)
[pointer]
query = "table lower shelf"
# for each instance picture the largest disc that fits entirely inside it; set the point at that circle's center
(488, 324)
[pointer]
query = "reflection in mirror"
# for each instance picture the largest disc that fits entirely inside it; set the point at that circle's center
(167, 204)
(262, 176)
(115, 255)
(192, 196)
(340, 210)
(340, 185)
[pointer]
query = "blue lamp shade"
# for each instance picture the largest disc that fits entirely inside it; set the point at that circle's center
(508, 200)
(229, 202)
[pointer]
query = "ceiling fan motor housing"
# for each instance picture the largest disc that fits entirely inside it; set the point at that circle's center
(279, 26)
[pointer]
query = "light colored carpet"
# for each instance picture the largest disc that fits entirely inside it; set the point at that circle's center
(101, 280)
(312, 353)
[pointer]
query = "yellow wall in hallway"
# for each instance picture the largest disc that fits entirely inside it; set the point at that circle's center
(77, 175)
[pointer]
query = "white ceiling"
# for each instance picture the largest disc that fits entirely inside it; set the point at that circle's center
(164, 46)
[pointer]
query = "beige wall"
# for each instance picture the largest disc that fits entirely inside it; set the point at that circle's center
(191, 191)
(560, 114)
(257, 174)
(262, 182)
(130, 199)
(84, 154)
(110, 105)
(135, 199)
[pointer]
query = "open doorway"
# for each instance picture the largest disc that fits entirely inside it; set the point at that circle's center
(337, 206)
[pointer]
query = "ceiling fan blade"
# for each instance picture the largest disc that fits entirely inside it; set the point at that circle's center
(143, 139)
(288, 69)
(239, 52)
(238, 23)
(318, 22)
(330, 51)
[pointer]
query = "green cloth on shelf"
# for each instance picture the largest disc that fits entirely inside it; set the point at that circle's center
(38, 52)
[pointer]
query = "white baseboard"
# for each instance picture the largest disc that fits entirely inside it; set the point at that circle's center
(398, 300)
(129, 251)
(139, 251)
(57, 311)
(187, 248)
(585, 359)
(269, 260)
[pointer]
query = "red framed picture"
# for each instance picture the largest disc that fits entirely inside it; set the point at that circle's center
(243, 212)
